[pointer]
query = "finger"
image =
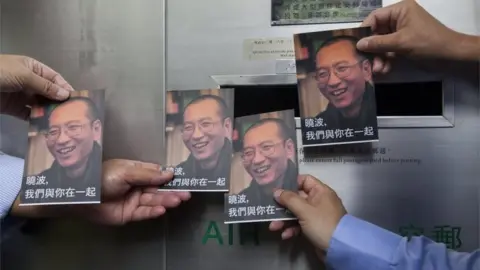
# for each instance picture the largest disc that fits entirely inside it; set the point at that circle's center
(293, 202)
(381, 43)
(290, 232)
(386, 68)
(390, 55)
(147, 177)
(137, 175)
(378, 64)
(145, 165)
(379, 20)
(276, 225)
(147, 212)
(307, 183)
(48, 73)
(296, 230)
(370, 21)
(167, 200)
(312, 187)
(45, 88)
(152, 190)
(183, 195)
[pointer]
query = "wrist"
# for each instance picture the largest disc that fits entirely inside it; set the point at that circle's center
(331, 232)
(465, 47)
(334, 229)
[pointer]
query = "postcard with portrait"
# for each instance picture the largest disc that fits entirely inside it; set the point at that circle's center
(198, 140)
(335, 87)
(265, 158)
(63, 164)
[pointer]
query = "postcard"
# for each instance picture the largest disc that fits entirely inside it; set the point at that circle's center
(335, 87)
(265, 158)
(199, 139)
(64, 160)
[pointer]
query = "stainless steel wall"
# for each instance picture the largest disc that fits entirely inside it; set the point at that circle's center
(119, 45)
(111, 44)
(205, 39)
(477, 23)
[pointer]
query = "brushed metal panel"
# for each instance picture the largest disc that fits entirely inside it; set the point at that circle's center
(435, 184)
(205, 49)
(96, 44)
(205, 38)
(477, 23)
(388, 195)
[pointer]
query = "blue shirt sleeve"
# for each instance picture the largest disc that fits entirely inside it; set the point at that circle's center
(357, 244)
(11, 174)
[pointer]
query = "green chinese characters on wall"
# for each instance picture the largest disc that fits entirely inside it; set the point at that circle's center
(229, 235)
(446, 234)
(245, 233)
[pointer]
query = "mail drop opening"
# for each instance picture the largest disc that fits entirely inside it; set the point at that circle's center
(393, 99)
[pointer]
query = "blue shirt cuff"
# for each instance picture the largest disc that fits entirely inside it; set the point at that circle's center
(356, 244)
(11, 175)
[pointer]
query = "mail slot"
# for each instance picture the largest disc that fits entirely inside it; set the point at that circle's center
(409, 100)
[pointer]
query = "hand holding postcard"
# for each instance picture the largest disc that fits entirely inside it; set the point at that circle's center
(199, 139)
(265, 159)
(64, 160)
(335, 87)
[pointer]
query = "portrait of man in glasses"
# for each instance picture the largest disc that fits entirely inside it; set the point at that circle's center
(73, 137)
(344, 76)
(269, 156)
(336, 88)
(206, 131)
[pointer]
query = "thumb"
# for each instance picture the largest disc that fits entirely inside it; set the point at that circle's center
(46, 88)
(293, 202)
(379, 43)
(138, 176)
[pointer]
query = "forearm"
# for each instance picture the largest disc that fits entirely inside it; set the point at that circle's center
(357, 244)
(423, 253)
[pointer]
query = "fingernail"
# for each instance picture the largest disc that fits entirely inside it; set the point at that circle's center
(159, 211)
(167, 172)
(362, 44)
(62, 93)
(187, 196)
(165, 177)
(277, 193)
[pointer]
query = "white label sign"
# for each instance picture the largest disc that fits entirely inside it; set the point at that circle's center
(268, 49)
